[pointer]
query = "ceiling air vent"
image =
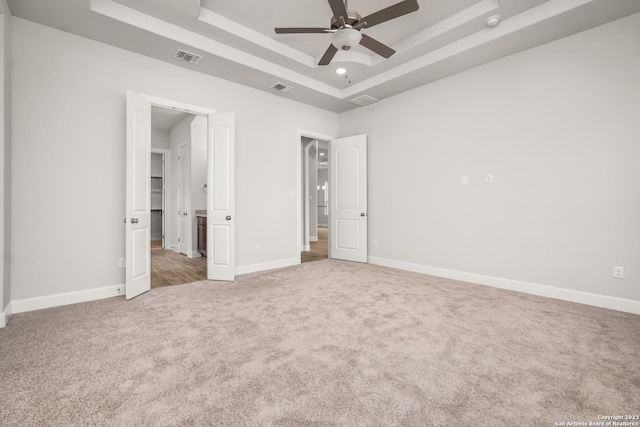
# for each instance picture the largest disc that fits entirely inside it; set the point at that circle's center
(363, 100)
(281, 87)
(187, 56)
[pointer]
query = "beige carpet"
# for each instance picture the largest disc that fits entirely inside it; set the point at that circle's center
(322, 343)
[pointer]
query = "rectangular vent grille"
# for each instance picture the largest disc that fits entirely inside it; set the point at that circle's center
(363, 100)
(281, 87)
(187, 56)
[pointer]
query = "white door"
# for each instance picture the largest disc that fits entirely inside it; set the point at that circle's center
(183, 199)
(348, 198)
(138, 190)
(220, 197)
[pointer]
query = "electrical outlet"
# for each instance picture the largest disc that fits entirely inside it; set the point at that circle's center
(375, 242)
(618, 272)
(488, 179)
(122, 263)
(463, 180)
(256, 247)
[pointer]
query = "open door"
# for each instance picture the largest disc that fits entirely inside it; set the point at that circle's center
(348, 198)
(138, 189)
(220, 198)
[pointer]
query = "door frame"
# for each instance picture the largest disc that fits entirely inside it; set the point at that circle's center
(183, 179)
(184, 107)
(299, 181)
(166, 172)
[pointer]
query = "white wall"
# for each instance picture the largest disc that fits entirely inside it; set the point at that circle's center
(69, 157)
(5, 158)
(198, 152)
(558, 127)
(159, 137)
(198, 162)
(179, 135)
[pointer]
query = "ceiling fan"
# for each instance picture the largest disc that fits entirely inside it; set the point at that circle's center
(346, 25)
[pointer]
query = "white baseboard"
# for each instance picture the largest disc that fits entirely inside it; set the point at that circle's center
(306, 248)
(194, 254)
(313, 238)
(604, 301)
(38, 303)
(266, 266)
(6, 315)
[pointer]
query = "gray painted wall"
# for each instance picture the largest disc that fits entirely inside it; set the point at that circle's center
(81, 118)
(558, 127)
(5, 156)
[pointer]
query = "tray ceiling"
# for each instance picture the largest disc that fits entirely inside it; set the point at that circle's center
(237, 40)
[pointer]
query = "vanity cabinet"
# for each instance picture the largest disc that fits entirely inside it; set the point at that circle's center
(202, 235)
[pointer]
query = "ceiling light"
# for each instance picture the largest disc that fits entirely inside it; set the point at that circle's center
(322, 154)
(492, 21)
(345, 38)
(341, 70)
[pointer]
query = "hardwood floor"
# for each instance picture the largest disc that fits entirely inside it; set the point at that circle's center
(169, 268)
(320, 249)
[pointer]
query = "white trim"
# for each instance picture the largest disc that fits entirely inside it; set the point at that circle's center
(306, 248)
(6, 315)
(313, 135)
(267, 266)
(56, 300)
(604, 301)
(313, 238)
(156, 101)
(194, 254)
(135, 18)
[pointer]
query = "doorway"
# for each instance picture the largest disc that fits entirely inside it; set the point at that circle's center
(178, 184)
(315, 206)
(220, 201)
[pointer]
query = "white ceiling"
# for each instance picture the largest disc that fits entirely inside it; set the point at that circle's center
(238, 43)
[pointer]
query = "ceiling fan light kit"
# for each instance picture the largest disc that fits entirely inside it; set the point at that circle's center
(346, 26)
(345, 38)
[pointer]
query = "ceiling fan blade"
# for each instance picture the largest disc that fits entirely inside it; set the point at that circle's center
(374, 45)
(328, 55)
(337, 6)
(389, 13)
(301, 30)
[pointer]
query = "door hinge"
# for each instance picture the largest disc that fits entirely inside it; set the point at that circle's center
(178, 240)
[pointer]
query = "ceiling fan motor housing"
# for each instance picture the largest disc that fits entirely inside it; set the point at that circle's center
(352, 18)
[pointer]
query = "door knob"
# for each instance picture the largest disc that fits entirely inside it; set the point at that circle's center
(363, 214)
(134, 220)
(228, 218)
